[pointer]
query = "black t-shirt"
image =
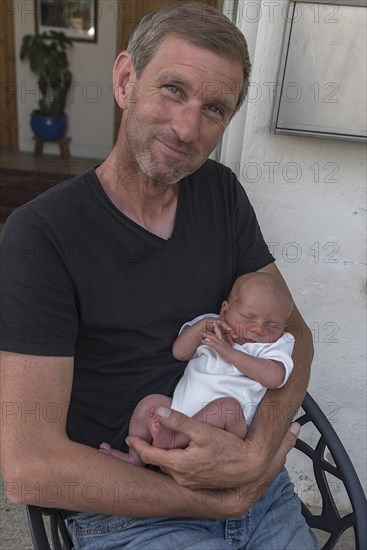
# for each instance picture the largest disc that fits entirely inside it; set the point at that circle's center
(81, 279)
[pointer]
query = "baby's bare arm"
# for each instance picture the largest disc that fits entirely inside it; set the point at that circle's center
(186, 343)
(267, 372)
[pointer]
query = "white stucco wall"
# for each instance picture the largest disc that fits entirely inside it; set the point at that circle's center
(309, 195)
(90, 107)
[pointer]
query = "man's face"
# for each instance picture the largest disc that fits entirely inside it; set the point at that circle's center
(180, 107)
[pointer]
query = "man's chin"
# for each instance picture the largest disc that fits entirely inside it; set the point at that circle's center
(167, 177)
(167, 171)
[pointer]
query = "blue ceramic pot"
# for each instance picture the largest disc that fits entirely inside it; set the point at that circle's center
(49, 128)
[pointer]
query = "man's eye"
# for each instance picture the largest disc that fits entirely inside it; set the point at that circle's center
(172, 89)
(213, 109)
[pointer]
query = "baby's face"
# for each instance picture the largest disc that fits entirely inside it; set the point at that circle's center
(256, 317)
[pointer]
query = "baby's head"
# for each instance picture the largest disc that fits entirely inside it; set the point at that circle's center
(257, 308)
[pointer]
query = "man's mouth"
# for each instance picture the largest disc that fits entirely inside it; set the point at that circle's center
(177, 151)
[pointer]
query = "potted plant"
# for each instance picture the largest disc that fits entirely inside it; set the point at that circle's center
(47, 56)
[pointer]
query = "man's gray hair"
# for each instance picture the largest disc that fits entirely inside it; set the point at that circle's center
(200, 24)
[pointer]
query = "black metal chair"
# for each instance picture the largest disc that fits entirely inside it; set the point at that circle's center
(337, 464)
(57, 533)
(330, 520)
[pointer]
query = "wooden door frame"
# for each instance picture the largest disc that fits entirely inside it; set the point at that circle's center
(8, 92)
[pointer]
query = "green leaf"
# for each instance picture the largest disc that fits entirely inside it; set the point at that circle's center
(48, 59)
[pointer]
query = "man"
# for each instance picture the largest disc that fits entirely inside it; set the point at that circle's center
(100, 273)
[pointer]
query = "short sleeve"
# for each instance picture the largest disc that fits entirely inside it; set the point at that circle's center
(281, 351)
(197, 319)
(39, 313)
(253, 252)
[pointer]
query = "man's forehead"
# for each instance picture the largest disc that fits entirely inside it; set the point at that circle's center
(173, 48)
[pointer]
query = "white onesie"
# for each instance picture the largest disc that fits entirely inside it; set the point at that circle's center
(208, 377)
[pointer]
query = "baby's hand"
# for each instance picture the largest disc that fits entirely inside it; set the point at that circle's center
(208, 324)
(225, 331)
(218, 343)
(221, 335)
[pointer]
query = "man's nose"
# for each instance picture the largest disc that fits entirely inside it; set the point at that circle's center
(186, 123)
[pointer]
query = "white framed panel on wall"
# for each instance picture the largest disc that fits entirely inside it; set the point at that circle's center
(321, 89)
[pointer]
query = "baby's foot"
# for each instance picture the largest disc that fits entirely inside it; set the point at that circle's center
(162, 437)
(131, 457)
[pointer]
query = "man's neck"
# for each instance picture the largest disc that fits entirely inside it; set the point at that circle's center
(148, 203)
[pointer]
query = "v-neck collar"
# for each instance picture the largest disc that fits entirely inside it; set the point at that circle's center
(97, 186)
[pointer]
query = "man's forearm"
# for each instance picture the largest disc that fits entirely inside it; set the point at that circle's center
(79, 478)
(93, 482)
(41, 466)
(278, 407)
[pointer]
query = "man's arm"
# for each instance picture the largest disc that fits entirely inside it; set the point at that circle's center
(278, 407)
(41, 466)
(242, 462)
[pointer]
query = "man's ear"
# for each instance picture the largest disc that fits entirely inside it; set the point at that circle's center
(124, 81)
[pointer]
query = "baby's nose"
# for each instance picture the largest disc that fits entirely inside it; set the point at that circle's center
(256, 328)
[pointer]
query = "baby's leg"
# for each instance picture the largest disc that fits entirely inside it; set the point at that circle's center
(139, 426)
(225, 413)
(163, 437)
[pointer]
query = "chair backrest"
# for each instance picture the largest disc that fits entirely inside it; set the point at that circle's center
(329, 520)
(57, 533)
(339, 465)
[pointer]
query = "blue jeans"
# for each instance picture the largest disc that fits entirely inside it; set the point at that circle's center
(275, 522)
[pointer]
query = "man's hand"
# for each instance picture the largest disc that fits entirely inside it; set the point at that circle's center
(214, 458)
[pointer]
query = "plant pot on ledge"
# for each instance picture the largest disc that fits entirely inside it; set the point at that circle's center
(48, 60)
(48, 128)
